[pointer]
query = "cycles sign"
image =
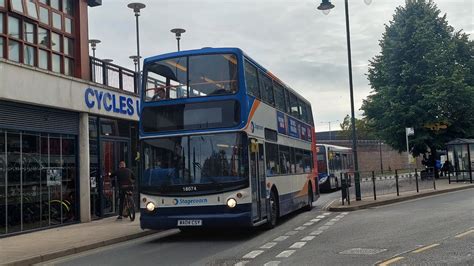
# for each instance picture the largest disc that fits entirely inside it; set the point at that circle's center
(112, 102)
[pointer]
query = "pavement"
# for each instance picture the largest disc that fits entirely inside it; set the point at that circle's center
(442, 186)
(45, 245)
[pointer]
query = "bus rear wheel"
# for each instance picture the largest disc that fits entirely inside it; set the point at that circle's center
(310, 198)
(273, 215)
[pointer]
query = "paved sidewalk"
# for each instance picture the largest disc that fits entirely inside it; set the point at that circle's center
(442, 186)
(36, 247)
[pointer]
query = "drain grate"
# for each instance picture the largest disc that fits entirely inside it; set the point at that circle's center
(362, 251)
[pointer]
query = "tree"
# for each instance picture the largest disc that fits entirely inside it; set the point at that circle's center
(423, 76)
(363, 131)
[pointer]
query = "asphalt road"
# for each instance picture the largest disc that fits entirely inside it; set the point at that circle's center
(437, 229)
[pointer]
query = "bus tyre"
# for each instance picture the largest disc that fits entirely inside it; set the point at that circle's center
(310, 198)
(273, 215)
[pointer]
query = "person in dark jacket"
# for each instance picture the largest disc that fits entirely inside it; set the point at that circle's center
(125, 180)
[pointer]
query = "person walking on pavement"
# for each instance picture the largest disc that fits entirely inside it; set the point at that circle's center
(125, 180)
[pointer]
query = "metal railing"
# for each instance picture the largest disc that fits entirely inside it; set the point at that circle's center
(112, 75)
(374, 184)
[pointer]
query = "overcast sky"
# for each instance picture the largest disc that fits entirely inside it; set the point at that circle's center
(300, 45)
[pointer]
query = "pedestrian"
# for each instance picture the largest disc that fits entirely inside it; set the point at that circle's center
(125, 180)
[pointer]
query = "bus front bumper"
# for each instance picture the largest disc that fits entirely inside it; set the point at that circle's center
(197, 216)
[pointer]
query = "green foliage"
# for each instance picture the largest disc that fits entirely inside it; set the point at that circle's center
(423, 75)
(363, 131)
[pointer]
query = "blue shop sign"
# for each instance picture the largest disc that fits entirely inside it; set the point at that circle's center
(111, 102)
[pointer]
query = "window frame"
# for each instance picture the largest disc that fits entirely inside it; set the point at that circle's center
(261, 78)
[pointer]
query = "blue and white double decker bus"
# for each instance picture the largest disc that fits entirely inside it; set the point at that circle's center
(224, 143)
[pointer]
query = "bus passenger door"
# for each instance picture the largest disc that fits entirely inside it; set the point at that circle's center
(257, 180)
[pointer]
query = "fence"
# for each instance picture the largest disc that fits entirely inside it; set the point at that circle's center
(112, 75)
(374, 184)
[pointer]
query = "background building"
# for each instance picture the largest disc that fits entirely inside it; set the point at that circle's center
(66, 119)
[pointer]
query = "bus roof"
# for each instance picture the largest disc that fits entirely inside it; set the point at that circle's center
(211, 50)
(335, 147)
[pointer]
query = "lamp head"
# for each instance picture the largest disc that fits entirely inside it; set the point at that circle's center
(135, 58)
(136, 7)
(325, 5)
(177, 32)
(108, 60)
(94, 42)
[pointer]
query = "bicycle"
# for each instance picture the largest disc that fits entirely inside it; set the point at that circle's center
(129, 206)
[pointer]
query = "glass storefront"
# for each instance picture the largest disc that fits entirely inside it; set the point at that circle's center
(38, 180)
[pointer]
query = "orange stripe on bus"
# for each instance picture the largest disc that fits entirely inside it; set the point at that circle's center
(255, 105)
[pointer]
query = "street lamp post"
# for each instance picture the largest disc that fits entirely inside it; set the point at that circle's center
(325, 6)
(136, 9)
(135, 60)
(329, 122)
(93, 43)
(178, 32)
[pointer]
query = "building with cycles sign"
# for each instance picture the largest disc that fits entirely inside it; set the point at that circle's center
(66, 118)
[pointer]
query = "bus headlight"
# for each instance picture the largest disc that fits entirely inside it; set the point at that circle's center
(150, 206)
(231, 203)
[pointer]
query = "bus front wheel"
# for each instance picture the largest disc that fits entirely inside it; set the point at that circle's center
(273, 215)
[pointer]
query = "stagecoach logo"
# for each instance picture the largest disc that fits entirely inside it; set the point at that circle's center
(189, 201)
(254, 127)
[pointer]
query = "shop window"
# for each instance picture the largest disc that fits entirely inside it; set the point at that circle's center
(2, 3)
(44, 15)
(14, 51)
(31, 7)
(14, 182)
(68, 66)
(1, 23)
(54, 4)
(2, 41)
(3, 179)
(57, 21)
(29, 55)
(29, 32)
(43, 37)
(68, 25)
(46, 2)
(55, 42)
(17, 6)
(68, 7)
(56, 63)
(43, 59)
(14, 27)
(68, 46)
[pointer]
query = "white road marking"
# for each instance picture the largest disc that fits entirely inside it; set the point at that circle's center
(335, 220)
(320, 216)
(315, 220)
(322, 228)
(315, 233)
(242, 263)
(291, 233)
(344, 213)
(285, 254)
(329, 223)
(280, 238)
(308, 238)
(326, 213)
(308, 223)
(269, 245)
(298, 245)
(252, 254)
(299, 228)
(271, 263)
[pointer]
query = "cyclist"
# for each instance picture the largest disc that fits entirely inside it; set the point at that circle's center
(125, 180)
